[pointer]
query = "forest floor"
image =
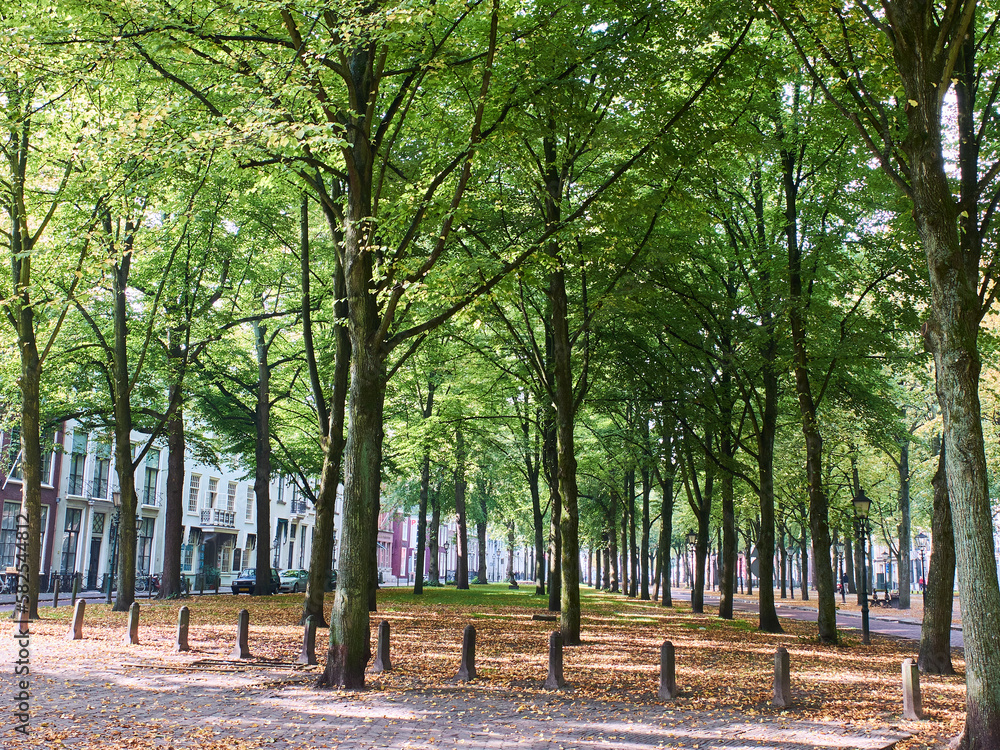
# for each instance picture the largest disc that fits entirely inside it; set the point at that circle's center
(100, 692)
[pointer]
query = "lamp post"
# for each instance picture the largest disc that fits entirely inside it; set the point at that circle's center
(692, 542)
(840, 572)
(861, 507)
(116, 500)
(922, 540)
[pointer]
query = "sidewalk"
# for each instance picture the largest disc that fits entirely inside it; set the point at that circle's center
(91, 705)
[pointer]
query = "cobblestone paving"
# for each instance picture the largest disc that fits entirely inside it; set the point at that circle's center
(159, 707)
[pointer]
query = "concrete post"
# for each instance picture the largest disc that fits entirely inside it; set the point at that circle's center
(668, 675)
(382, 662)
(132, 636)
(782, 679)
(76, 628)
(242, 648)
(308, 654)
(555, 679)
(183, 620)
(912, 704)
(467, 669)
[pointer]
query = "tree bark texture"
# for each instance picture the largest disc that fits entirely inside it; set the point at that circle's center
(462, 565)
(262, 457)
(939, 596)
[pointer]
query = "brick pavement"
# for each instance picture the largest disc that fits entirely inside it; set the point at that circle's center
(86, 703)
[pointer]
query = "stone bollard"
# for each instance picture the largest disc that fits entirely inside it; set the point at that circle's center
(218, 580)
(668, 675)
(76, 628)
(55, 593)
(201, 585)
(242, 648)
(912, 705)
(555, 679)
(467, 669)
(132, 636)
(782, 679)
(76, 588)
(382, 662)
(183, 619)
(23, 621)
(308, 655)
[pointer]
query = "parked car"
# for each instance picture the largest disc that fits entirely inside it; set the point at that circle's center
(293, 580)
(247, 580)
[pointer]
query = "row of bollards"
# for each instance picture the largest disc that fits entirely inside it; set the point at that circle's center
(912, 706)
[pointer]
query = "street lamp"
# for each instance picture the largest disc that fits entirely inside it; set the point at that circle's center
(922, 540)
(692, 542)
(861, 507)
(116, 500)
(840, 572)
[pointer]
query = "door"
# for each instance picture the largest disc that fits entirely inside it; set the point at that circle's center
(95, 561)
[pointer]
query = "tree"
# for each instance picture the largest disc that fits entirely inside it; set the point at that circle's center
(935, 46)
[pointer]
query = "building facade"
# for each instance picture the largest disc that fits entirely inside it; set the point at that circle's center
(79, 517)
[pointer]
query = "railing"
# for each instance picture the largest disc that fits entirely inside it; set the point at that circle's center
(152, 499)
(298, 507)
(218, 517)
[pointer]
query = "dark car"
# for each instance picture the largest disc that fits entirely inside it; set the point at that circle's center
(247, 580)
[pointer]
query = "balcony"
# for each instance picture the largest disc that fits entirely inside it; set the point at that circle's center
(298, 507)
(152, 499)
(225, 519)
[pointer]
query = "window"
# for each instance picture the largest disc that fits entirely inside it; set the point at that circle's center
(47, 462)
(226, 556)
(251, 502)
(302, 548)
(8, 534)
(291, 546)
(251, 543)
(231, 497)
(281, 492)
(71, 536)
(237, 558)
(188, 557)
(77, 463)
(193, 491)
(152, 475)
(102, 470)
(213, 492)
(97, 525)
(12, 459)
(144, 551)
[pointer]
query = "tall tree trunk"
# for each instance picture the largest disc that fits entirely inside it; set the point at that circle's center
(333, 442)
(434, 572)
(633, 554)
(939, 596)
(425, 480)
(819, 521)
(173, 513)
(462, 542)
(623, 555)
(532, 467)
(481, 574)
(849, 564)
(551, 463)
(612, 531)
(727, 584)
(262, 455)
(122, 403)
(768, 615)
(644, 545)
(29, 570)
(903, 561)
(666, 519)
(569, 518)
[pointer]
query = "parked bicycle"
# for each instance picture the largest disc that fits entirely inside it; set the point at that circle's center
(147, 583)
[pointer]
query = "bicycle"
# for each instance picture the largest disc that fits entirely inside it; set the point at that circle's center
(8, 583)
